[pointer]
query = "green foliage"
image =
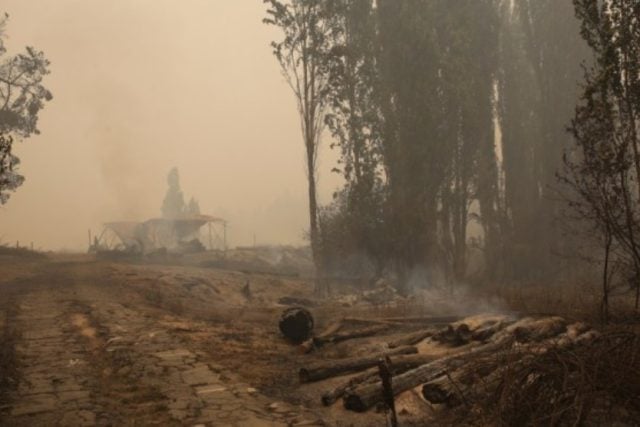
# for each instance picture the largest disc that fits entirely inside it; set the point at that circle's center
(22, 96)
(10, 180)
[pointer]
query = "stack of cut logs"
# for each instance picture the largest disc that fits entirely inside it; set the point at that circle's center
(474, 365)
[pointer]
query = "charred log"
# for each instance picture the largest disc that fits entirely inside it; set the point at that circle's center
(454, 336)
(456, 387)
(426, 320)
(362, 398)
(296, 324)
(412, 338)
(399, 364)
(348, 335)
(334, 368)
(310, 344)
(485, 332)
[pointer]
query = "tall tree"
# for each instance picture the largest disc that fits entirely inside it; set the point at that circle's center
(467, 39)
(414, 156)
(541, 53)
(353, 120)
(437, 69)
(302, 53)
(22, 96)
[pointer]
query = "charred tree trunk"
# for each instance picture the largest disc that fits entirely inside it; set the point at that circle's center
(334, 368)
(296, 324)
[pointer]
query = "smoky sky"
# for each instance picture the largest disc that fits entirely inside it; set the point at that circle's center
(141, 86)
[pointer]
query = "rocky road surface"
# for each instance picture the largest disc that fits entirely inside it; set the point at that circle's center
(88, 354)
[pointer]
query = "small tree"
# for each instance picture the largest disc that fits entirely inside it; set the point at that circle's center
(603, 169)
(302, 55)
(22, 96)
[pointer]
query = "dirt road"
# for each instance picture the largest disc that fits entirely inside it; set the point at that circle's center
(91, 350)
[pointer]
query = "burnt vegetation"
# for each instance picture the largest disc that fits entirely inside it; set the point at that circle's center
(486, 144)
(479, 264)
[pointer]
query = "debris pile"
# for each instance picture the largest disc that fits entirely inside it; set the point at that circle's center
(474, 362)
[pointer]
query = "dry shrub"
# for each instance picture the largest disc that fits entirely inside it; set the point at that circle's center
(597, 383)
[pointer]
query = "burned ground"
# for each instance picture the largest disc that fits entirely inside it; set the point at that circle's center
(91, 342)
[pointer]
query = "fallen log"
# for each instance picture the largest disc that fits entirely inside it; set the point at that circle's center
(545, 328)
(444, 389)
(412, 338)
(399, 364)
(434, 320)
(456, 387)
(484, 332)
(366, 321)
(454, 336)
(311, 343)
(332, 368)
(455, 393)
(329, 397)
(296, 324)
(363, 398)
(449, 388)
(348, 335)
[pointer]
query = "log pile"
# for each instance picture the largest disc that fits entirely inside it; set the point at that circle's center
(448, 379)
(480, 356)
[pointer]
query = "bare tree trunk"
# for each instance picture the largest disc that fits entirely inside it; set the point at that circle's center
(605, 279)
(320, 285)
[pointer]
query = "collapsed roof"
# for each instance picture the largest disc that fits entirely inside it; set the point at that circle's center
(158, 233)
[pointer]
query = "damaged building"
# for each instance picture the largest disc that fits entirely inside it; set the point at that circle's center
(175, 235)
(179, 230)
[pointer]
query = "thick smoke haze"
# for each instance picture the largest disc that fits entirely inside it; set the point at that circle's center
(143, 86)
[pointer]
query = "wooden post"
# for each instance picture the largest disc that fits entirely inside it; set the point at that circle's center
(384, 368)
(90, 238)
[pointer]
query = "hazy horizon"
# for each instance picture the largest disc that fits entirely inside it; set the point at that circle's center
(141, 87)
